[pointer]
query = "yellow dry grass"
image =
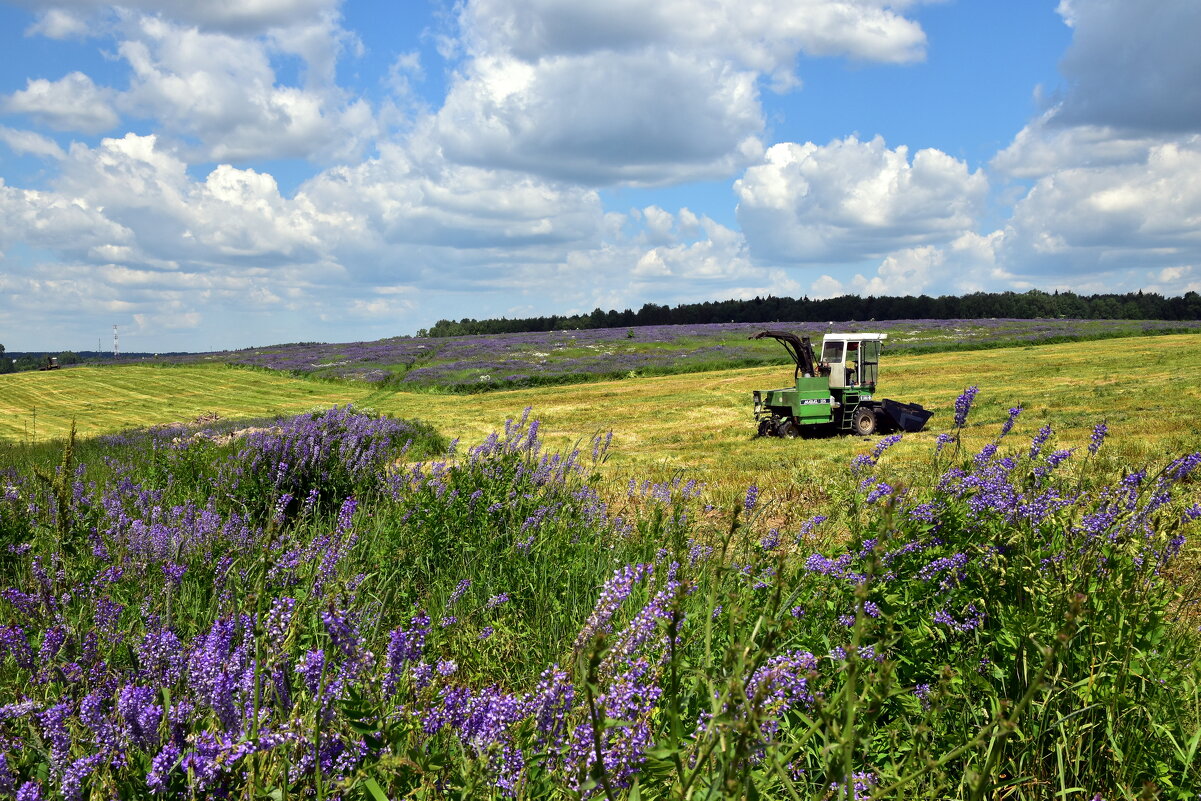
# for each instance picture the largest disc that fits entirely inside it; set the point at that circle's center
(1148, 389)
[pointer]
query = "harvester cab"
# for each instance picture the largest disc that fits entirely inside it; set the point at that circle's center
(835, 392)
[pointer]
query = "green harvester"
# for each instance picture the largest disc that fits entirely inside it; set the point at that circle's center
(835, 393)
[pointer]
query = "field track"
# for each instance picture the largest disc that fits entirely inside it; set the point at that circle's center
(1147, 389)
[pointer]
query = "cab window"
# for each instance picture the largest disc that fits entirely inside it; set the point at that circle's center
(832, 352)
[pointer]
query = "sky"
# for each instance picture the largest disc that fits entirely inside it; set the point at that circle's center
(233, 173)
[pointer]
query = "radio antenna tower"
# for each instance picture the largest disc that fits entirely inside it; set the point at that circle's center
(116, 349)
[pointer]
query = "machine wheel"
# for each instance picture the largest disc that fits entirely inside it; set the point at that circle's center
(789, 429)
(766, 427)
(864, 421)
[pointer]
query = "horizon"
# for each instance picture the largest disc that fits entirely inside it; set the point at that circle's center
(344, 170)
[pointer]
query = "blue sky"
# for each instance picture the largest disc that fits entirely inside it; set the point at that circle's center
(226, 174)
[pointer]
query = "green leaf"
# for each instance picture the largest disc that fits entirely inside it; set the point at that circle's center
(376, 791)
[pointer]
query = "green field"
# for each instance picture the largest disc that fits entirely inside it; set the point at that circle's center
(1148, 389)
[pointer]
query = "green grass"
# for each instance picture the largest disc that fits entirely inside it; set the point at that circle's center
(1065, 669)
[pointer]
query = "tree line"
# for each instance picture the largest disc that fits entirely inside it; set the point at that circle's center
(977, 305)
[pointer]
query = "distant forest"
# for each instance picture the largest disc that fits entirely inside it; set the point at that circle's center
(978, 305)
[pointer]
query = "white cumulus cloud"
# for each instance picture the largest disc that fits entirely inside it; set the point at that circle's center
(640, 118)
(766, 36)
(31, 142)
(60, 18)
(629, 92)
(72, 103)
(851, 200)
(1142, 213)
(220, 92)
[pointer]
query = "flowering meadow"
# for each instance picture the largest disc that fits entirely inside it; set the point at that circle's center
(342, 605)
(506, 361)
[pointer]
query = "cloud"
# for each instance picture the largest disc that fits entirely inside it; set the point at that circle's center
(1141, 213)
(413, 197)
(651, 255)
(232, 217)
(231, 16)
(1133, 66)
(850, 200)
(57, 23)
(72, 103)
(29, 142)
(220, 92)
(1044, 146)
(628, 92)
(766, 36)
(643, 117)
(53, 221)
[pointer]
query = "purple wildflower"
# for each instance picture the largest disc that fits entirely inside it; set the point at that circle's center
(963, 404)
(752, 497)
(1013, 416)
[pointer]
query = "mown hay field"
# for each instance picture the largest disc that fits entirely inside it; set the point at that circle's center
(1147, 389)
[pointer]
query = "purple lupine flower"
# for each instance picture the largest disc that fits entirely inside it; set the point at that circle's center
(879, 492)
(30, 791)
(858, 788)
(486, 632)
(963, 404)
(141, 715)
(942, 440)
(885, 444)
(460, 588)
(161, 656)
(1040, 439)
(778, 686)
(279, 621)
(174, 572)
(972, 620)
(8, 782)
(1099, 432)
(985, 455)
(405, 646)
(161, 766)
(1181, 467)
(808, 526)
(752, 497)
(13, 642)
(52, 642)
(54, 731)
(1007, 426)
(614, 591)
(310, 668)
(346, 515)
(497, 600)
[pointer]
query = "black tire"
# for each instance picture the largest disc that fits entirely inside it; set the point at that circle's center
(864, 421)
(766, 427)
(789, 429)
